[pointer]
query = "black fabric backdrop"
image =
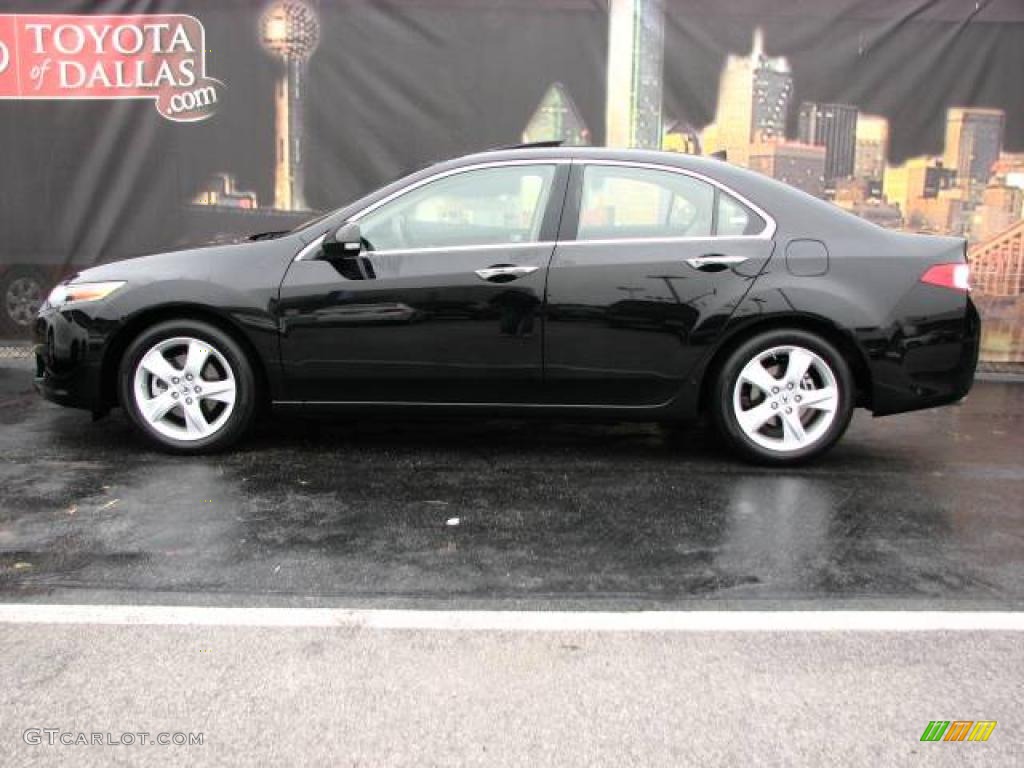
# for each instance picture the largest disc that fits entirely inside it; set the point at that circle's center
(395, 85)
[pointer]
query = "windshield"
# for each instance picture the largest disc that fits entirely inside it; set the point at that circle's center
(314, 222)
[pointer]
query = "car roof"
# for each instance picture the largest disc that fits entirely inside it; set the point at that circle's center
(692, 162)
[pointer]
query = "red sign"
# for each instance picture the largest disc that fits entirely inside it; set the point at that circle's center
(156, 56)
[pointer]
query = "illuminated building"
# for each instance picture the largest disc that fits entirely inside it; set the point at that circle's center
(974, 138)
(852, 190)
(833, 126)
(222, 191)
(871, 147)
(290, 30)
(942, 214)
(875, 211)
(1010, 168)
(799, 165)
(636, 52)
(927, 194)
(1000, 208)
(753, 101)
(557, 119)
(918, 177)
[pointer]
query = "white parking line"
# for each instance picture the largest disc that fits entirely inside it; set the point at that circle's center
(517, 621)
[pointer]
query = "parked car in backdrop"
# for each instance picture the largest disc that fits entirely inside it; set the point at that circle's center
(541, 281)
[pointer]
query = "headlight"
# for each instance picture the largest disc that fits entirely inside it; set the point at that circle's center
(77, 292)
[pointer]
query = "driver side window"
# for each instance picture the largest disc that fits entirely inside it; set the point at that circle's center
(621, 202)
(486, 206)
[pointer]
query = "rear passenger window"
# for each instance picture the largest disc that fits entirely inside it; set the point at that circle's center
(734, 218)
(622, 202)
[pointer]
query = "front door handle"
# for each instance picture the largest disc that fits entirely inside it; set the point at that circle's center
(503, 273)
(715, 262)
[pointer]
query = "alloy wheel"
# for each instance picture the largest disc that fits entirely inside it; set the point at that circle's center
(184, 388)
(786, 398)
(23, 298)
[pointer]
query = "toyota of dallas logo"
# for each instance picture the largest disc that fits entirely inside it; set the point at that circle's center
(150, 56)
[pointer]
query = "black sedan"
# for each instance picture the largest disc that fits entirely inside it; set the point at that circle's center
(547, 282)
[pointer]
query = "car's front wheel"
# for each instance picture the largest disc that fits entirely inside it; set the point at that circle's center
(187, 386)
(783, 397)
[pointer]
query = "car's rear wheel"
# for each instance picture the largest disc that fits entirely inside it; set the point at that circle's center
(188, 386)
(783, 397)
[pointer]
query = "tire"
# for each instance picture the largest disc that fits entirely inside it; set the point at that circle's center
(188, 387)
(22, 291)
(803, 416)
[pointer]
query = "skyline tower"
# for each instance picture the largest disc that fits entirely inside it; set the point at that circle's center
(974, 138)
(835, 127)
(636, 60)
(290, 31)
(754, 92)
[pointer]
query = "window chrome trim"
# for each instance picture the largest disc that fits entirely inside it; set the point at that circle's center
(656, 240)
(452, 172)
(765, 234)
(458, 248)
(309, 251)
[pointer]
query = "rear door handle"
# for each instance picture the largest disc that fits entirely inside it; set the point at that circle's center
(714, 262)
(502, 273)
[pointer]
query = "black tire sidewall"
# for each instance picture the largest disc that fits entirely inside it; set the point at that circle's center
(245, 397)
(725, 418)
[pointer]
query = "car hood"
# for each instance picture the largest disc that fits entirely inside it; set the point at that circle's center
(191, 263)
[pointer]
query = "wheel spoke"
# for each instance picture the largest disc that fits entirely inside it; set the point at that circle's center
(195, 421)
(753, 419)
(158, 365)
(158, 407)
(221, 391)
(824, 399)
(198, 352)
(755, 373)
(797, 365)
(793, 429)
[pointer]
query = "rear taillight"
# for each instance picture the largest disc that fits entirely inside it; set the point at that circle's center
(955, 276)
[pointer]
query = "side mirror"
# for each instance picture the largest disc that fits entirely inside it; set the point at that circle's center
(343, 242)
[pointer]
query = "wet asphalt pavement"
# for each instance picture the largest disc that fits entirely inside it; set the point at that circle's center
(921, 511)
(916, 511)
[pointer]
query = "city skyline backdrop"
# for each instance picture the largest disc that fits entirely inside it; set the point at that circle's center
(906, 112)
(837, 152)
(830, 148)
